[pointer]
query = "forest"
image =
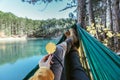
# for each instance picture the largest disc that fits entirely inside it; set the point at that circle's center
(13, 26)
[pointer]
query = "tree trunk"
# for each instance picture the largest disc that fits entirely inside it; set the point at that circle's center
(116, 22)
(90, 12)
(110, 22)
(119, 26)
(119, 5)
(104, 11)
(11, 28)
(81, 12)
(105, 19)
(109, 15)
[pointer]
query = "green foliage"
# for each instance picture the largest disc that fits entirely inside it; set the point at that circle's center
(102, 33)
(12, 25)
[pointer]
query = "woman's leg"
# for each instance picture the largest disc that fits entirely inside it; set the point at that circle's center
(58, 58)
(76, 70)
(61, 50)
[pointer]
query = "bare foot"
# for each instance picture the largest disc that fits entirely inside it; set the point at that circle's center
(71, 33)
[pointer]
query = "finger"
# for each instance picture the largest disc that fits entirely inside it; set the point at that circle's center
(51, 62)
(49, 59)
(44, 58)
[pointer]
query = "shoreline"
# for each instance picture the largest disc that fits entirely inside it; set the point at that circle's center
(13, 39)
(9, 39)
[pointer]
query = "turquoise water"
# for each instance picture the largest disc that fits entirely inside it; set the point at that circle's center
(18, 58)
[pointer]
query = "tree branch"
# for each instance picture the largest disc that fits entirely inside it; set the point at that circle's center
(68, 7)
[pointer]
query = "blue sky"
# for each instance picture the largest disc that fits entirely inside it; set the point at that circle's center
(21, 9)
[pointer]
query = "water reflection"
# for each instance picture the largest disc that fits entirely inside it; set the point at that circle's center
(18, 58)
(10, 52)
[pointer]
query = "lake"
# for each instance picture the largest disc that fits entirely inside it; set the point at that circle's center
(19, 58)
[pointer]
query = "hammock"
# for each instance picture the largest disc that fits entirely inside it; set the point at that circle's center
(103, 63)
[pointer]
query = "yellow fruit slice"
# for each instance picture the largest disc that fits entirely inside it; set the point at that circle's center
(50, 48)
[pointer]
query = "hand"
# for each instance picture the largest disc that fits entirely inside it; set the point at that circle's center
(46, 61)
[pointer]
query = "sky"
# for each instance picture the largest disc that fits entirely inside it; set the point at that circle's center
(22, 9)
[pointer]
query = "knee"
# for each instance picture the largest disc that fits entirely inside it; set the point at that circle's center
(74, 53)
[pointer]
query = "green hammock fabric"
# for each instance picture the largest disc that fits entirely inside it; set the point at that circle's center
(104, 64)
